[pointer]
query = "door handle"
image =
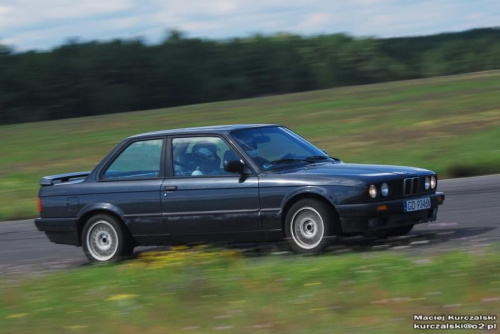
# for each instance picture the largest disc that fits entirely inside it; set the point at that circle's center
(170, 188)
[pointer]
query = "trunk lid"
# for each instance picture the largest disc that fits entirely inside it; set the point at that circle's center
(68, 178)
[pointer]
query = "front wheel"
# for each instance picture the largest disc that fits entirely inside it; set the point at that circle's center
(104, 239)
(308, 225)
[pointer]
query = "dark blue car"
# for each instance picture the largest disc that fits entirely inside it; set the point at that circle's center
(229, 183)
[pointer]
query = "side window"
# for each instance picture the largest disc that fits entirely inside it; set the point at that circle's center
(139, 160)
(197, 156)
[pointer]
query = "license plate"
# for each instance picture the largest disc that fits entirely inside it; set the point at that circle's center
(417, 204)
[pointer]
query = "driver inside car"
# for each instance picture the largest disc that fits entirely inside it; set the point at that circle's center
(248, 144)
(208, 162)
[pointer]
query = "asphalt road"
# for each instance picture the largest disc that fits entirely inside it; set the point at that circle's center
(469, 219)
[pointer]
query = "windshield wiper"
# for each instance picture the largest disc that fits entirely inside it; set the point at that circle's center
(314, 158)
(285, 161)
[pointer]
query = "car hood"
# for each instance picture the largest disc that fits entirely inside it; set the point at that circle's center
(359, 171)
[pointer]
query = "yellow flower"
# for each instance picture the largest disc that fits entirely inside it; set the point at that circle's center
(312, 283)
(17, 315)
(75, 327)
(121, 297)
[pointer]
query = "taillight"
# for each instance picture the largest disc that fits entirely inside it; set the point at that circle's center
(39, 205)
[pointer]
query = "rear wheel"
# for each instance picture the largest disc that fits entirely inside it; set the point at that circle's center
(308, 224)
(399, 231)
(104, 239)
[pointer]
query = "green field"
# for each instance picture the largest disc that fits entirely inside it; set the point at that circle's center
(223, 291)
(448, 124)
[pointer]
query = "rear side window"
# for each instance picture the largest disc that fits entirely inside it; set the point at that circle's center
(140, 159)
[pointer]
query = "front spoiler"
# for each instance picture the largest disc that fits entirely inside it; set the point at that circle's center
(361, 218)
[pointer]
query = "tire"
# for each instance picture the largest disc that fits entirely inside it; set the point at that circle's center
(399, 231)
(105, 239)
(308, 224)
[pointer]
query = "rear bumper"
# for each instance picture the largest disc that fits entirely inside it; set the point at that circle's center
(59, 230)
(361, 218)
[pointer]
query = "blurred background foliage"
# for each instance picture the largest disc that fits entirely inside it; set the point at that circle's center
(92, 78)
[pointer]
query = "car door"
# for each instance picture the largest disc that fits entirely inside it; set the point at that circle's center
(130, 183)
(200, 197)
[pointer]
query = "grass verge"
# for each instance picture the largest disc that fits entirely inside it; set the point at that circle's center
(203, 291)
(448, 124)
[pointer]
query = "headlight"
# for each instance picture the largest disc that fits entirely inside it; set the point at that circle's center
(427, 183)
(433, 182)
(372, 191)
(384, 189)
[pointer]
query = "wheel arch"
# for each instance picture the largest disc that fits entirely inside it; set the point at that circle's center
(291, 200)
(95, 210)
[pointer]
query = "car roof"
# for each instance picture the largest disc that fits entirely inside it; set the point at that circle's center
(202, 130)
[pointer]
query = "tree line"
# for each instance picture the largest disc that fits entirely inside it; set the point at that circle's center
(92, 78)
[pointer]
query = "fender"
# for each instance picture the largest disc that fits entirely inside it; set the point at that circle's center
(316, 190)
(100, 206)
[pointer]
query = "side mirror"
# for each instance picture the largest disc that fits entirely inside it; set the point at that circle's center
(324, 151)
(234, 166)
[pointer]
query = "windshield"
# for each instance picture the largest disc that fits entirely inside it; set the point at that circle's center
(273, 146)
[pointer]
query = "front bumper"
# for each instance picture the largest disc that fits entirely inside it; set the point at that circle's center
(59, 230)
(361, 218)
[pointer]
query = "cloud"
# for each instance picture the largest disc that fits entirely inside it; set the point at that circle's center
(24, 14)
(43, 24)
(224, 6)
(315, 21)
(87, 8)
(5, 10)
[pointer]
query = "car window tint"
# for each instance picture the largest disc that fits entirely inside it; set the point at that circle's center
(269, 144)
(199, 156)
(271, 151)
(139, 160)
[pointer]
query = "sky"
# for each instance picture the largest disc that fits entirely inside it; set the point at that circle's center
(44, 24)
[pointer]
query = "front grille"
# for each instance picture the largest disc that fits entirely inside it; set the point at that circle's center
(414, 186)
(410, 186)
